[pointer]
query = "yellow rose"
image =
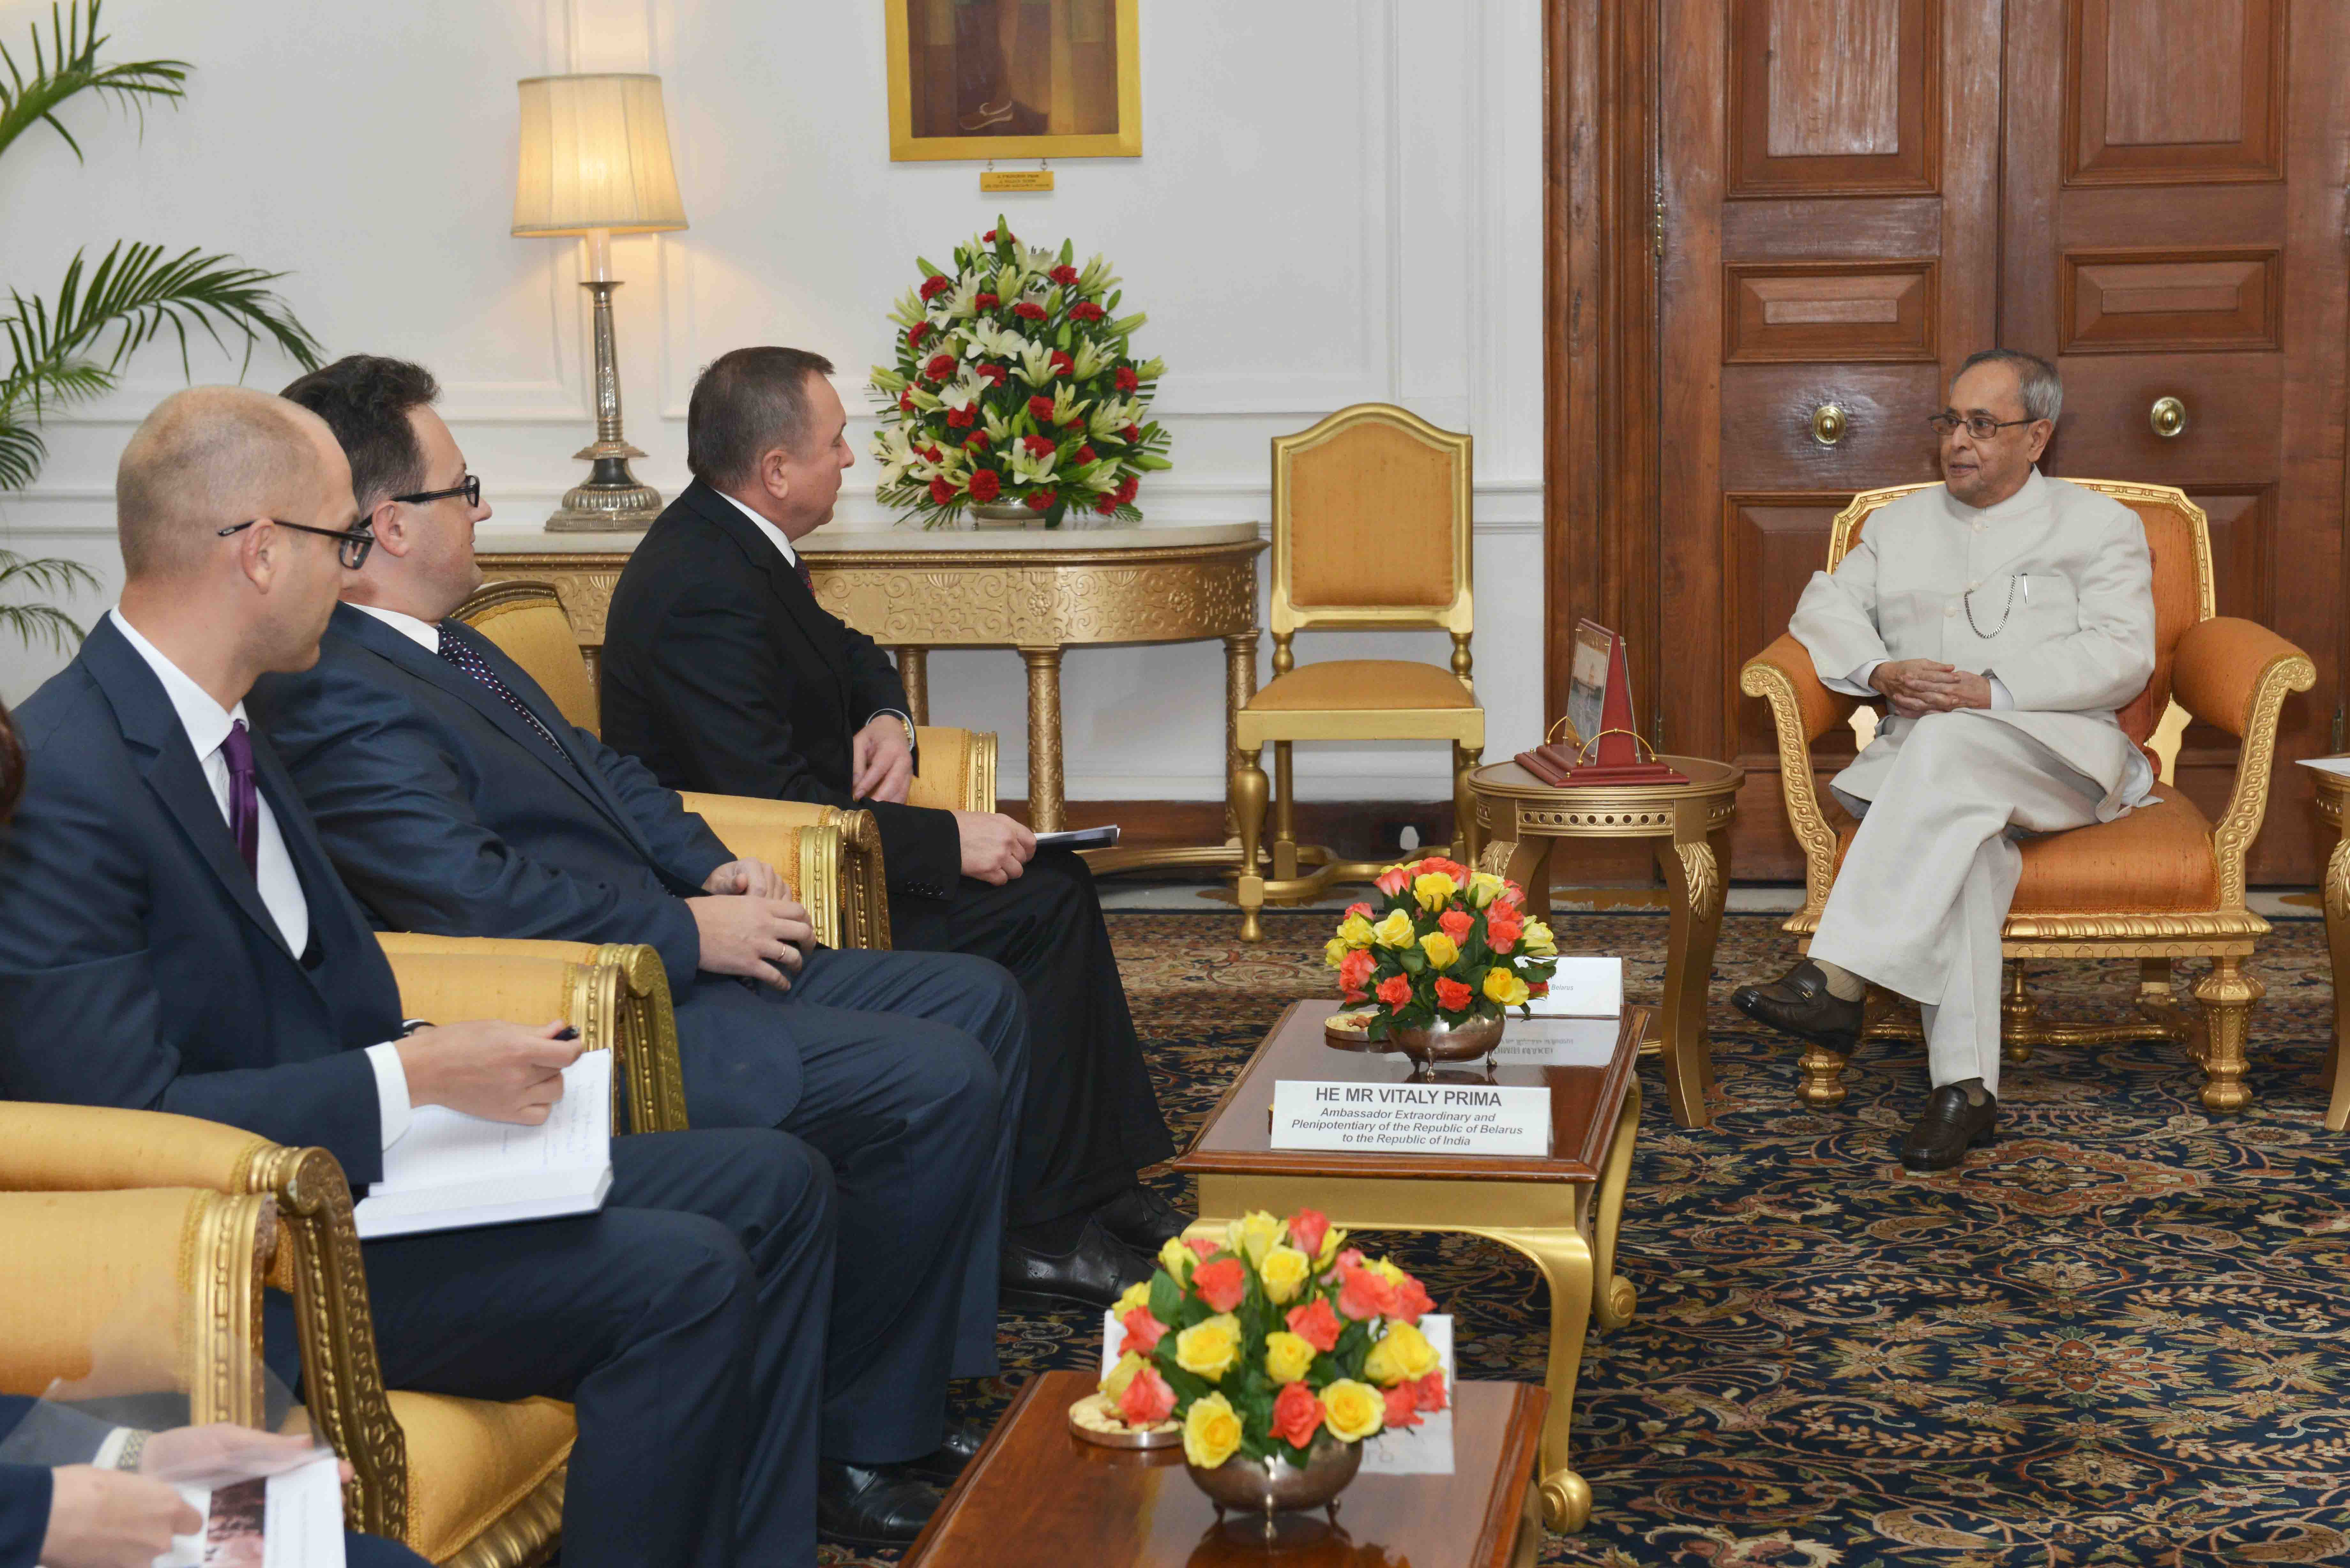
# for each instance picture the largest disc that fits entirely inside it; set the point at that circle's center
(1252, 1236)
(1332, 1240)
(1386, 1268)
(1352, 1410)
(1284, 1272)
(1503, 986)
(1434, 891)
(1484, 887)
(1113, 1387)
(1403, 1353)
(1176, 1259)
(1539, 942)
(1137, 1295)
(1395, 932)
(1334, 952)
(1207, 1348)
(1287, 1357)
(1212, 1430)
(1439, 949)
(1355, 931)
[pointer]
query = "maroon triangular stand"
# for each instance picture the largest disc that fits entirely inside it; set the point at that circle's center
(1618, 759)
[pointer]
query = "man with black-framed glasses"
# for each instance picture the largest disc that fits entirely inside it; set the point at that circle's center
(2005, 618)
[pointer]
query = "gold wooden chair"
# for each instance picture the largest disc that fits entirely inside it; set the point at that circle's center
(1371, 531)
(2161, 883)
(471, 1484)
(833, 856)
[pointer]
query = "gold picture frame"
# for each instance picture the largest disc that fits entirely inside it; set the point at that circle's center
(1026, 66)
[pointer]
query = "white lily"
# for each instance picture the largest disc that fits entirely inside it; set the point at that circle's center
(983, 337)
(1096, 278)
(895, 452)
(1067, 405)
(1038, 260)
(909, 309)
(999, 429)
(964, 390)
(1036, 365)
(1113, 416)
(1088, 359)
(962, 300)
(1030, 468)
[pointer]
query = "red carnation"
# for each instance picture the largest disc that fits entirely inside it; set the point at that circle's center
(1316, 1324)
(937, 283)
(916, 333)
(1453, 996)
(1143, 1332)
(994, 373)
(985, 485)
(1036, 446)
(1394, 990)
(906, 401)
(1084, 455)
(1041, 501)
(1062, 364)
(1029, 310)
(941, 490)
(977, 440)
(1126, 380)
(1086, 310)
(959, 419)
(931, 453)
(1009, 237)
(1307, 1228)
(1132, 433)
(940, 367)
(987, 301)
(1126, 491)
(1106, 505)
(1040, 408)
(1296, 1414)
(1063, 275)
(1221, 1284)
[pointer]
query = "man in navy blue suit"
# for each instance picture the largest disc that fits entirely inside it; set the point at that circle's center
(173, 938)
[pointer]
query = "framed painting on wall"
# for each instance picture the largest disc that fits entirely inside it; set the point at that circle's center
(1015, 78)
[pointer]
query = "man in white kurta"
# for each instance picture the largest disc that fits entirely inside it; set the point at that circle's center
(2004, 617)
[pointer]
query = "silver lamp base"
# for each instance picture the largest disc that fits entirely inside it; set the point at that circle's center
(610, 501)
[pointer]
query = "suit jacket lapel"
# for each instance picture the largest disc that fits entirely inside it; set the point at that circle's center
(169, 763)
(801, 612)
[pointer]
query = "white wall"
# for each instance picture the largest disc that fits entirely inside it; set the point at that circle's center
(1336, 202)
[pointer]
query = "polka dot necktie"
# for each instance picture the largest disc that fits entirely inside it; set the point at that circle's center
(454, 651)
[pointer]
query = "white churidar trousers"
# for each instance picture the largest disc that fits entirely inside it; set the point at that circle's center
(1925, 888)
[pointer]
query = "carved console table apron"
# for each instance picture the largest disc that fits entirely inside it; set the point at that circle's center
(1038, 592)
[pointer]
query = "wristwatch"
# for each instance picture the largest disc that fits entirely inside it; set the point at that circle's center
(904, 722)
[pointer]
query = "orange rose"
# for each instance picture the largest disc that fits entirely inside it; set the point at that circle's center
(1453, 996)
(1143, 1332)
(1220, 1283)
(1296, 1414)
(1316, 1324)
(1393, 880)
(1148, 1401)
(1364, 1294)
(1355, 973)
(1394, 990)
(1456, 924)
(1428, 1394)
(1402, 1412)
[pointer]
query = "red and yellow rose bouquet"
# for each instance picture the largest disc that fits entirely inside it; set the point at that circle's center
(1444, 945)
(1015, 383)
(1265, 1341)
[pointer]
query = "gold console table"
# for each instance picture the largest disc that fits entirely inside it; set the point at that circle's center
(1038, 592)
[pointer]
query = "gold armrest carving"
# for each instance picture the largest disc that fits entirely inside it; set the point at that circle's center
(2248, 801)
(1770, 678)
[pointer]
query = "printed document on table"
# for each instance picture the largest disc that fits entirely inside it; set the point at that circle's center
(1557, 1043)
(1584, 988)
(450, 1170)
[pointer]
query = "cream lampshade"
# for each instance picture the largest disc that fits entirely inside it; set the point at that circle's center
(595, 161)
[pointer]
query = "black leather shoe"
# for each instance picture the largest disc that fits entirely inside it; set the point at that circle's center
(1142, 1220)
(958, 1449)
(1799, 1002)
(1950, 1127)
(1094, 1273)
(871, 1506)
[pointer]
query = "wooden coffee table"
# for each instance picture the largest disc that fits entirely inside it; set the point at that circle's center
(1561, 1209)
(1037, 1494)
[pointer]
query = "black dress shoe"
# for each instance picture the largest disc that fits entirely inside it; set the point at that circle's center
(1093, 1273)
(958, 1449)
(871, 1506)
(1142, 1220)
(1950, 1127)
(1799, 1002)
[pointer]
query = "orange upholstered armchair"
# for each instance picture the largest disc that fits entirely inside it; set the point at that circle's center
(2163, 882)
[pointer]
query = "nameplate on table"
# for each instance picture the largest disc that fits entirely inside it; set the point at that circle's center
(1557, 1043)
(1584, 988)
(1410, 1118)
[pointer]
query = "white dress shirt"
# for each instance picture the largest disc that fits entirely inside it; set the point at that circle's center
(423, 633)
(207, 724)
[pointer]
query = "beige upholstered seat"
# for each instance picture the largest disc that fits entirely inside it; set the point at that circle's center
(1371, 525)
(2160, 883)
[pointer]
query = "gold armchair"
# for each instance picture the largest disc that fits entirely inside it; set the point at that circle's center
(833, 856)
(2161, 883)
(469, 1482)
(1371, 531)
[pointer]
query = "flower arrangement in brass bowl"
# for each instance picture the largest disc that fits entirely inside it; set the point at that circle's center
(1277, 1350)
(1441, 960)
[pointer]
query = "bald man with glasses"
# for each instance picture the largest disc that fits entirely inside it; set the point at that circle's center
(2005, 618)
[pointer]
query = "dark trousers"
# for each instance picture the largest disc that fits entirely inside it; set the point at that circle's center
(1091, 1119)
(912, 1068)
(375, 1552)
(685, 1322)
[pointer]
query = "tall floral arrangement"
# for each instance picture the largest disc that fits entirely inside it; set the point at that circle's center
(1444, 945)
(1264, 1342)
(1015, 381)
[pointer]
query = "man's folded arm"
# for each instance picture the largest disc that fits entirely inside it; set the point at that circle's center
(1836, 620)
(2109, 659)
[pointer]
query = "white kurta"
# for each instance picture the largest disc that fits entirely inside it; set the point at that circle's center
(2051, 594)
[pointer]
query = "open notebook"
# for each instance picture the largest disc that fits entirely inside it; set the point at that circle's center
(451, 1171)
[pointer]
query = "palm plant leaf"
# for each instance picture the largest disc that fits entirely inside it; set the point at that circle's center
(67, 65)
(33, 624)
(134, 294)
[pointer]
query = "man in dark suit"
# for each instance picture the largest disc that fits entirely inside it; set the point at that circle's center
(173, 938)
(721, 672)
(94, 1495)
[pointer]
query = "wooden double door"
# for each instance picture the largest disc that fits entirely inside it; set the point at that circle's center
(1850, 196)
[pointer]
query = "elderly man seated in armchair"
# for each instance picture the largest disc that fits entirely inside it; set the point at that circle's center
(2004, 617)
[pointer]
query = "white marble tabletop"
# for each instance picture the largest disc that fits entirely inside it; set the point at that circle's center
(508, 539)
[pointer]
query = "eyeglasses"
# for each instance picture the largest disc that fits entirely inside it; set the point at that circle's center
(355, 541)
(1982, 427)
(471, 490)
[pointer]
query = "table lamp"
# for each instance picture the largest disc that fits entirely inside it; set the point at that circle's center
(594, 162)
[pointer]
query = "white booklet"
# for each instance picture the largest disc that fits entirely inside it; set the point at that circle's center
(292, 1519)
(1584, 988)
(451, 1171)
(2340, 766)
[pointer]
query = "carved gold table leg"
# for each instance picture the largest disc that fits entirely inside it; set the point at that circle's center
(1614, 1299)
(1240, 685)
(1043, 738)
(1694, 874)
(2227, 994)
(1529, 867)
(1564, 1259)
(2337, 942)
(914, 670)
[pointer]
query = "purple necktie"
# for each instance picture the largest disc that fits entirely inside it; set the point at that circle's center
(474, 665)
(244, 804)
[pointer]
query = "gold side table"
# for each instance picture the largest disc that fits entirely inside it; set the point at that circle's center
(1523, 820)
(2333, 793)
